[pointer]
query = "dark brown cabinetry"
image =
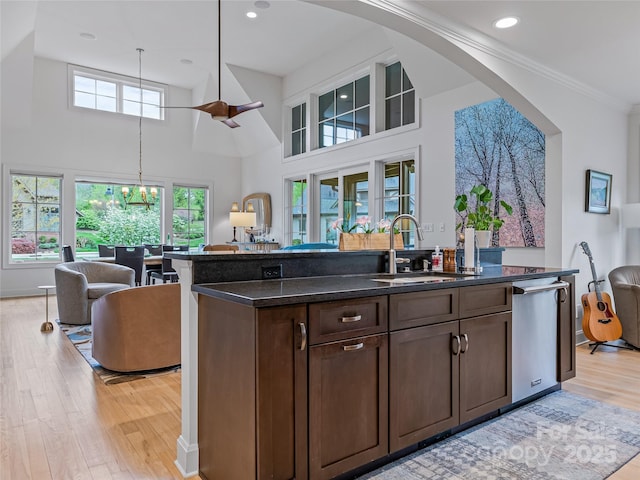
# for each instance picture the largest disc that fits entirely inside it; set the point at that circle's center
(311, 391)
(444, 374)
(252, 391)
(348, 391)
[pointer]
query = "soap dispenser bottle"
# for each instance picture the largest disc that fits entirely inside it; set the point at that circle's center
(436, 260)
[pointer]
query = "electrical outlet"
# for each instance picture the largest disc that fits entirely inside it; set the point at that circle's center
(442, 227)
(427, 227)
(272, 272)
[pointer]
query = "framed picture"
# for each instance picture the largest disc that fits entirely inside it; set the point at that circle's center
(598, 192)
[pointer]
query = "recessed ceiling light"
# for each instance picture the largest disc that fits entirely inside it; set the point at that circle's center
(506, 22)
(262, 4)
(88, 36)
(186, 61)
(344, 96)
(252, 14)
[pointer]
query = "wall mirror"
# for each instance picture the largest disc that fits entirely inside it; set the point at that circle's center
(261, 203)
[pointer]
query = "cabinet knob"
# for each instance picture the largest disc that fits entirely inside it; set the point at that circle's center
(355, 318)
(456, 350)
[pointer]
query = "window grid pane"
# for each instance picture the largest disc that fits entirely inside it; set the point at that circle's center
(35, 218)
(299, 201)
(351, 115)
(98, 94)
(399, 97)
(298, 129)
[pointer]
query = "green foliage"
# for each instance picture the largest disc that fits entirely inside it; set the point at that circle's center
(130, 227)
(481, 217)
(88, 221)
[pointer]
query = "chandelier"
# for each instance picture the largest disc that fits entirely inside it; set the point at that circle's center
(129, 193)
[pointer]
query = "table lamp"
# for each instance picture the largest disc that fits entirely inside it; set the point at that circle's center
(241, 219)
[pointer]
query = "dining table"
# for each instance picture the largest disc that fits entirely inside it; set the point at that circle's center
(148, 260)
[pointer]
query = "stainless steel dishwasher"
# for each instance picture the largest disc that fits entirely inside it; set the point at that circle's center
(534, 335)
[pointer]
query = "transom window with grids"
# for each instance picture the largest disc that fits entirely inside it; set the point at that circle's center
(343, 113)
(115, 93)
(299, 129)
(400, 97)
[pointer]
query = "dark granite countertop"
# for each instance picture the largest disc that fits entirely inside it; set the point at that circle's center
(268, 293)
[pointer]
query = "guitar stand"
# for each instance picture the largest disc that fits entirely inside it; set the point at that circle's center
(595, 346)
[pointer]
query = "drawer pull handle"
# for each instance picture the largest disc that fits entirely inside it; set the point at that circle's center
(355, 318)
(466, 343)
(456, 350)
(303, 336)
(350, 348)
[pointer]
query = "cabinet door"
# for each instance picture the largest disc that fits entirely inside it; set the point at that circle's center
(348, 405)
(485, 365)
(281, 404)
(567, 331)
(423, 383)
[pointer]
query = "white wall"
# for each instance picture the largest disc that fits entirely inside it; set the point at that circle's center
(99, 145)
(583, 132)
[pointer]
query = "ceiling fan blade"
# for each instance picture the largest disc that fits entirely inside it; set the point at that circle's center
(230, 123)
(238, 109)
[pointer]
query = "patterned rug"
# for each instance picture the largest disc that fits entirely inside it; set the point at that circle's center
(562, 436)
(80, 336)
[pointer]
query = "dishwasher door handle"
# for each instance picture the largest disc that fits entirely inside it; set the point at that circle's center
(559, 285)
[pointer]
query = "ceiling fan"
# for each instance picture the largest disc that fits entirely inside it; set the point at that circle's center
(219, 109)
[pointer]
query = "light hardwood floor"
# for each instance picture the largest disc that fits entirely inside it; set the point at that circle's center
(59, 421)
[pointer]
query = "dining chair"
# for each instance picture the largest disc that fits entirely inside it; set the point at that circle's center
(67, 253)
(106, 250)
(153, 249)
(132, 257)
(168, 273)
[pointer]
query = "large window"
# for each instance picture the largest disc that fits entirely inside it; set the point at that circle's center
(299, 129)
(189, 216)
(103, 218)
(329, 200)
(343, 113)
(400, 195)
(35, 218)
(299, 211)
(400, 97)
(98, 90)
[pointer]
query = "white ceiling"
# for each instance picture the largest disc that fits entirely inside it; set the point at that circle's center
(596, 43)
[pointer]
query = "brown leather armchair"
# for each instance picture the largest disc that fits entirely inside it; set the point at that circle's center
(625, 283)
(137, 329)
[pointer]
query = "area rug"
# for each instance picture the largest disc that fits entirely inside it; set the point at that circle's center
(562, 436)
(80, 336)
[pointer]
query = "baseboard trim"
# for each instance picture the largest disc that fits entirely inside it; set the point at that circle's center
(188, 458)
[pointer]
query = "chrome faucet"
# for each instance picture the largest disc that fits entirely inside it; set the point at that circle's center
(392, 251)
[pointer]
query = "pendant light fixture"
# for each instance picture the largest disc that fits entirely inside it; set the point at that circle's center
(129, 193)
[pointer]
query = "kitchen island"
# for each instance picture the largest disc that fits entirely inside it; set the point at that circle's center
(327, 376)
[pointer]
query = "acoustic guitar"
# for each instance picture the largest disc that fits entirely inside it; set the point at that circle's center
(599, 322)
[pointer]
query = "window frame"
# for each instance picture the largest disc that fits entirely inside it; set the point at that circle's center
(318, 122)
(205, 213)
(8, 260)
(120, 81)
(401, 94)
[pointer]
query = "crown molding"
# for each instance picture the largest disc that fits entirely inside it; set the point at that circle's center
(461, 35)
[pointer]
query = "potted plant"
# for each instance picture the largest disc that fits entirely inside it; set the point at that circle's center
(478, 214)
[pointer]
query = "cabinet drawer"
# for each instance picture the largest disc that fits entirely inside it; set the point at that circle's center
(485, 299)
(331, 321)
(422, 308)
